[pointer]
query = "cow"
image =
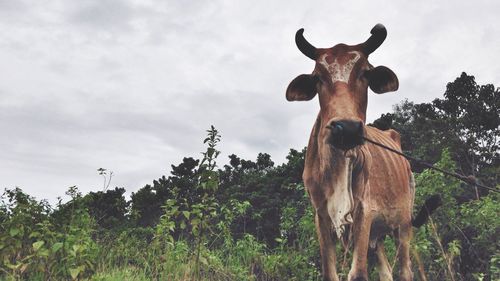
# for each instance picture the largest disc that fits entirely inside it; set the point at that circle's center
(359, 191)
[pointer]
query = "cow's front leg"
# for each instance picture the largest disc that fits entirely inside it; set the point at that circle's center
(326, 245)
(361, 236)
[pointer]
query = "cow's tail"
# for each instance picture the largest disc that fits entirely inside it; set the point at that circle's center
(430, 205)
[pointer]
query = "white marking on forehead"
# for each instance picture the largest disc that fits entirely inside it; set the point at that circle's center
(339, 72)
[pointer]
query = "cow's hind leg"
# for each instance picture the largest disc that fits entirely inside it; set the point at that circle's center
(361, 235)
(383, 266)
(326, 246)
(403, 237)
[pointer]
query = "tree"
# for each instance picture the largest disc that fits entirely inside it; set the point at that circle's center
(269, 190)
(467, 121)
(473, 114)
(147, 201)
(108, 208)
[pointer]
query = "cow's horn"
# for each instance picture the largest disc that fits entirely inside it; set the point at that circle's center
(379, 33)
(305, 47)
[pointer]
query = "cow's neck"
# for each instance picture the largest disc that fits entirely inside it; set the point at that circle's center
(338, 170)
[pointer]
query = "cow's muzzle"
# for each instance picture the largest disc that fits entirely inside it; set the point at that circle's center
(345, 134)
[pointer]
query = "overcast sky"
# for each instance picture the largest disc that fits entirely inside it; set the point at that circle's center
(131, 86)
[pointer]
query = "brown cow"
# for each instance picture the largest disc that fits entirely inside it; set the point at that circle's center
(355, 188)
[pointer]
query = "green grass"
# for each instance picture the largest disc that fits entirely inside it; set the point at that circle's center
(121, 274)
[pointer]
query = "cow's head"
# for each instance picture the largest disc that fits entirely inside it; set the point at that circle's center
(341, 78)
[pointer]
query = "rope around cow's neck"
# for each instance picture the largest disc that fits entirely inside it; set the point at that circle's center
(468, 180)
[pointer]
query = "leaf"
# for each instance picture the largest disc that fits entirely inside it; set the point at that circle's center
(195, 221)
(210, 152)
(56, 247)
(34, 234)
(13, 266)
(37, 245)
(74, 272)
(76, 248)
(186, 214)
(14, 231)
(43, 253)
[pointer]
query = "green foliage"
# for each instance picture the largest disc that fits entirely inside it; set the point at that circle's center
(37, 246)
(463, 236)
(108, 208)
(268, 189)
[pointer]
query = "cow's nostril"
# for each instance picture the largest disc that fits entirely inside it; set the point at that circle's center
(336, 127)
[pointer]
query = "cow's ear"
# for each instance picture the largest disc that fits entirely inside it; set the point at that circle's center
(382, 80)
(302, 88)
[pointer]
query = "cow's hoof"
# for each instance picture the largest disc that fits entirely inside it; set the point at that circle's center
(359, 279)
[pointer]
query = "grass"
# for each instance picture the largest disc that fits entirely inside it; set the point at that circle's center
(121, 274)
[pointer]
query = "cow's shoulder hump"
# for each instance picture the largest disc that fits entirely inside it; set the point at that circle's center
(394, 135)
